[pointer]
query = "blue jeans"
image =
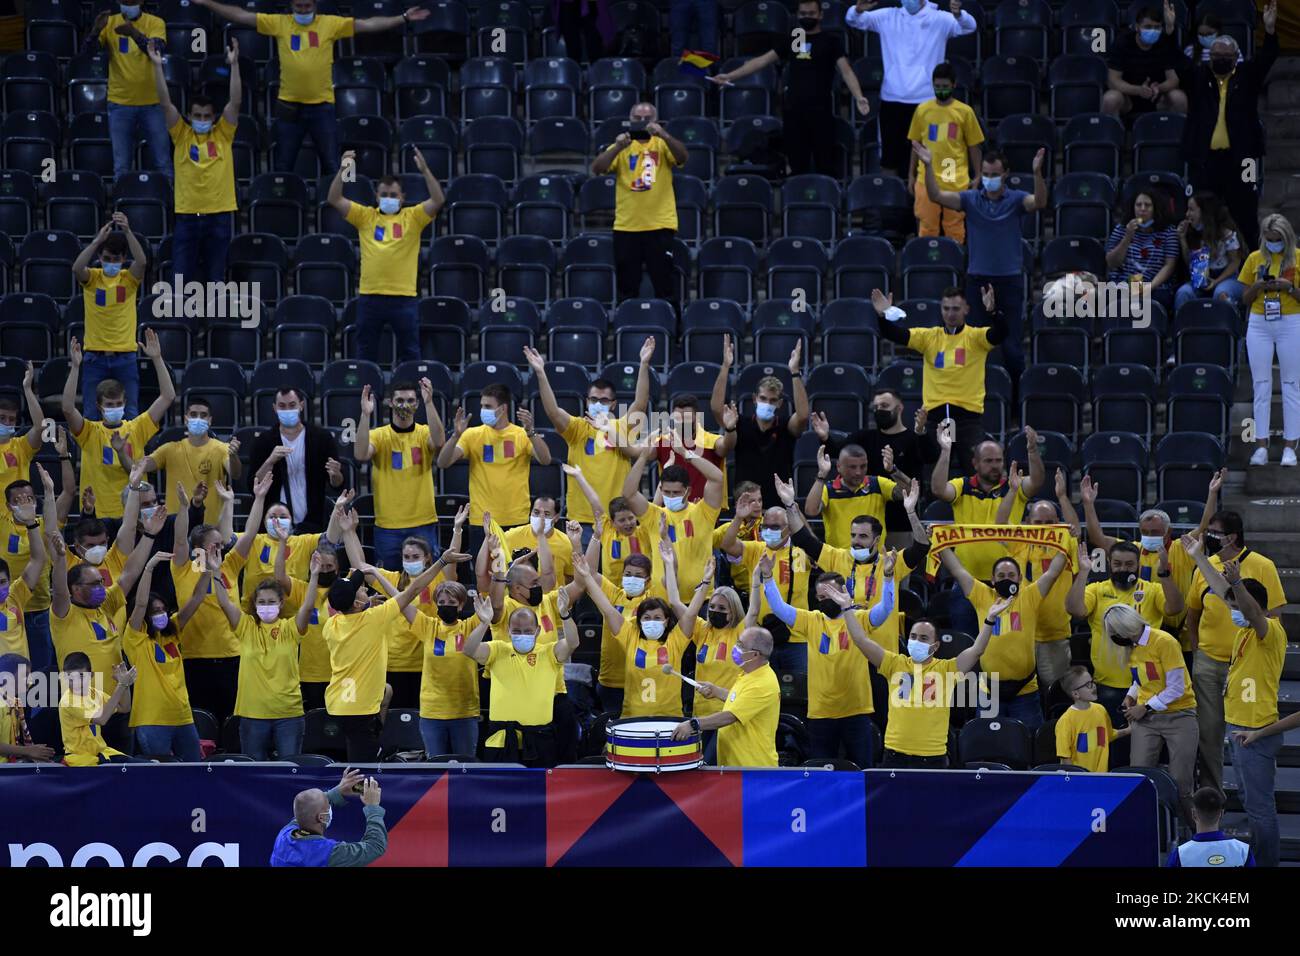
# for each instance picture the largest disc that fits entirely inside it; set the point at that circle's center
(182, 742)
(703, 14)
(826, 734)
(200, 243)
(320, 120)
(611, 700)
(1009, 297)
(1229, 290)
(255, 736)
(792, 658)
(97, 366)
(398, 312)
(1256, 768)
(1027, 708)
(40, 643)
(449, 736)
(388, 543)
(127, 125)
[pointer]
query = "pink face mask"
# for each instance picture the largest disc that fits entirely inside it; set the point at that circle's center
(268, 612)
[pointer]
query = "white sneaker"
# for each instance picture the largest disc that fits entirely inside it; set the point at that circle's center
(1288, 457)
(1261, 456)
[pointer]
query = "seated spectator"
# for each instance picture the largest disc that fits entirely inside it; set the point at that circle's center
(15, 738)
(85, 709)
(1211, 248)
(1144, 248)
(1143, 69)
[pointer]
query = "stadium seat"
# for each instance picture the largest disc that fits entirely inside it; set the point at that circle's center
(1158, 143)
(706, 325)
(558, 143)
(1073, 254)
(476, 206)
(1185, 462)
(1117, 463)
(494, 145)
(1021, 135)
(478, 375)
(930, 264)
(1123, 398)
(28, 81)
(795, 269)
(18, 202)
(437, 139)
(303, 327)
(881, 206)
(540, 206)
(587, 267)
(849, 332)
(324, 266)
(1051, 398)
(703, 142)
(1205, 332)
(1079, 20)
(1076, 82)
(810, 207)
(221, 381)
(742, 208)
(841, 392)
(861, 264)
(999, 739)
(779, 325)
(420, 85)
(1199, 399)
(73, 202)
(1010, 86)
(727, 267)
(277, 204)
(459, 266)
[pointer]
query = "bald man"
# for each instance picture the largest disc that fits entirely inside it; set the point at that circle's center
(303, 842)
(746, 724)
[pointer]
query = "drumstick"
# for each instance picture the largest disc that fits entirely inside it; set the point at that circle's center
(668, 669)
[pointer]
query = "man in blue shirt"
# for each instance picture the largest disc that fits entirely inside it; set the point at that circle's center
(303, 842)
(1211, 846)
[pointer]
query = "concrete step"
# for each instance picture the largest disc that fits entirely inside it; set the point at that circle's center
(1280, 188)
(1290, 583)
(1270, 514)
(1280, 547)
(1283, 93)
(1273, 481)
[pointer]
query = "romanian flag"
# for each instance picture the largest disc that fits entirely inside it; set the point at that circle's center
(944, 360)
(702, 655)
(295, 41)
(696, 62)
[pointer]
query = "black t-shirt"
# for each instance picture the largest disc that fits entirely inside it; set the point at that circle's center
(760, 454)
(810, 74)
(910, 456)
(1139, 66)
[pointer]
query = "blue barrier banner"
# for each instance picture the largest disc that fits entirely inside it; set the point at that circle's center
(228, 815)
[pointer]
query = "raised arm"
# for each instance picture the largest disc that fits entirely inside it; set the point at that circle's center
(770, 58)
(380, 24)
(141, 607)
(567, 644)
(436, 199)
(474, 646)
(1047, 579)
(451, 452)
(873, 652)
(939, 486)
(335, 197)
(745, 511)
(140, 553)
(1174, 603)
(557, 415)
(245, 18)
(1068, 514)
(227, 603)
(171, 115)
(181, 527)
(302, 620)
(1074, 598)
(957, 570)
(231, 113)
(1088, 491)
(254, 523)
(166, 388)
(1211, 500)
(583, 572)
(541, 450)
(1039, 199)
(81, 265)
(799, 417)
(969, 659)
(1029, 485)
(575, 475)
(949, 200)
(641, 398)
(718, 397)
(784, 612)
(812, 505)
(545, 563)
(69, 399)
(632, 483)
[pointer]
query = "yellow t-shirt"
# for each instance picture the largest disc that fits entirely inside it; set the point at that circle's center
(313, 655)
(13, 627)
(691, 531)
(108, 305)
(130, 71)
(1181, 568)
(603, 464)
(390, 249)
(1053, 619)
(449, 686)
(1249, 275)
(615, 547)
(16, 456)
(713, 662)
(101, 468)
(644, 197)
(359, 659)
(647, 690)
(863, 580)
(1108, 665)
(755, 699)
(499, 461)
(159, 697)
(261, 562)
(973, 505)
(948, 130)
(1010, 653)
(954, 366)
(406, 643)
(1083, 737)
(402, 477)
(18, 552)
(268, 669)
(839, 677)
(1217, 632)
(306, 54)
(523, 539)
(613, 656)
(189, 464)
(205, 167)
(918, 717)
(1254, 676)
(523, 685)
(94, 632)
(208, 633)
(790, 574)
(83, 739)
(1150, 665)
(841, 505)
(549, 624)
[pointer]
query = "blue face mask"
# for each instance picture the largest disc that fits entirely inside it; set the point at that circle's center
(114, 416)
(919, 651)
(633, 586)
(197, 426)
(1146, 224)
(523, 643)
(1275, 247)
(913, 6)
(1149, 37)
(202, 126)
(862, 554)
(130, 12)
(7, 432)
(596, 409)
(738, 657)
(771, 537)
(288, 417)
(992, 184)
(488, 416)
(1152, 542)
(304, 19)
(675, 503)
(112, 268)
(1238, 618)
(390, 205)
(653, 629)
(1207, 41)
(765, 411)
(413, 568)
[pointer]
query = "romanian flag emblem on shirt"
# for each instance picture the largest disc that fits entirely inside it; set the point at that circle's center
(13, 543)
(211, 149)
(590, 447)
(950, 129)
(108, 455)
(508, 448)
(640, 658)
(1145, 572)
(119, 295)
(703, 654)
(439, 647)
(696, 62)
(315, 615)
(489, 454)
(4, 622)
(313, 41)
(945, 360)
(662, 655)
(824, 645)
(616, 549)
(100, 633)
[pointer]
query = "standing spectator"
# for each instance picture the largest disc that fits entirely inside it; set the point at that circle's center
(587, 28)
(1142, 70)
(302, 460)
(303, 842)
(698, 18)
(645, 210)
(15, 736)
(1210, 846)
(764, 441)
(133, 112)
(1084, 732)
(17, 450)
(1211, 248)
(1274, 303)
(808, 97)
(853, 494)
(687, 425)
(1224, 136)
(913, 39)
(390, 257)
(951, 131)
(995, 256)
(196, 459)
(1145, 247)
(19, 580)
(305, 48)
(204, 161)
(108, 307)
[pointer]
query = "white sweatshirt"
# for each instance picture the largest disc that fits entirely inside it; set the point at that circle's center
(912, 46)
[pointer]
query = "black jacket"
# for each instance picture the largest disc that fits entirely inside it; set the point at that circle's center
(320, 447)
(1245, 131)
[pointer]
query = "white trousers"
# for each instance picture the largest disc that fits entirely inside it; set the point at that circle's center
(1263, 338)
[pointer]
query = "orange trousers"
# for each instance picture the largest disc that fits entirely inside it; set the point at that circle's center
(928, 217)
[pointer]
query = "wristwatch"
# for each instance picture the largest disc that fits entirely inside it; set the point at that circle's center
(1163, 574)
(695, 725)
(991, 623)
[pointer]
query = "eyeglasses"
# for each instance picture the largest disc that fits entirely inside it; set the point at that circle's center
(1090, 684)
(404, 403)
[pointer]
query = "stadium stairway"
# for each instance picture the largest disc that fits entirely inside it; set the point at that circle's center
(1281, 118)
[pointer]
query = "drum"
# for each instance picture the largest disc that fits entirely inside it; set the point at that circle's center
(646, 745)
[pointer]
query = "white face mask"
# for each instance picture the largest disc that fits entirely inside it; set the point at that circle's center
(919, 651)
(96, 554)
(653, 629)
(329, 817)
(1238, 618)
(1152, 542)
(541, 525)
(633, 586)
(279, 527)
(676, 503)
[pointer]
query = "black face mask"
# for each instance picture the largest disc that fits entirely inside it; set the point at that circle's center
(885, 418)
(1213, 545)
(829, 607)
(1222, 67)
(1123, 579)
(719, 619)
(1121, 641)
(1005, 588)
(326, 578)
(809, 23)
(943, 95)
(535, 595)
(448, 613)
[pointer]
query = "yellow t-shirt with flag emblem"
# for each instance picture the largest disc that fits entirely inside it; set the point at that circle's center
(691, 532)
(947, 130)
(130, 71)
(548, 627)
(108, 304)
(1182, 569)
(1216, 630)
(790, 574)
(919, 704)
(522, 538)
(358, 649)
(208, 633)
(83, 739)
(93, 632)
(499, 461)
(17, 551)
(261, 561)
(615, 548)
(402, 477)
(313, 655)
(863, 580)
(188, 463)
(839, 677)
(268, 669)
(973, 505)
(1107, 661)
(842, 504)
(644, 197)
(713, 662)
(1053, 619)
(522, 685)
(1254, 676)
(449, 685)
(1084, 736)
(16, 456)
(603, 464)
(159, 697)
(406, 642)
(390, 248)
(613, 656)
(954, 366)
(755, 699)
(1150, 665)
(13, 626)
(1010, 653)
(647, 690)
(306, 53)
(204, 164)
(101, 468)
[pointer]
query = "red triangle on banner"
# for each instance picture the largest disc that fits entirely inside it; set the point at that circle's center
(575, 799)
(712, 801)
(420, 837)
